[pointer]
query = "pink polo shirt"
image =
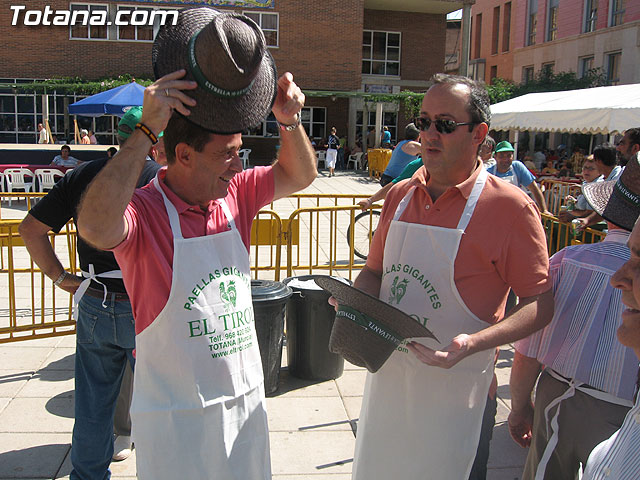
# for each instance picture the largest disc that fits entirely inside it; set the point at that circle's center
(146, 255)
(503, 246)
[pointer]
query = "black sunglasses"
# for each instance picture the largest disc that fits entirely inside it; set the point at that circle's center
(442, 126)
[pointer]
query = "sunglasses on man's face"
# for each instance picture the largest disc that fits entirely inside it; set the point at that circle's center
(442, 125)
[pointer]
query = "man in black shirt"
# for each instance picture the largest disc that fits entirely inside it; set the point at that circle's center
(105, 332)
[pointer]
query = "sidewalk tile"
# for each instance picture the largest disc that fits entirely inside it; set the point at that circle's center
(30, 415)
(32, 455)
(312, 414)
(309, 453)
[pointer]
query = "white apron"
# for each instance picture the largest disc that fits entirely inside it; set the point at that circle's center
(418, 421)
(198, 409)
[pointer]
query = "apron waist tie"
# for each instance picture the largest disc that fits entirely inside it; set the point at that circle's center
(84, 285)
(570, 392)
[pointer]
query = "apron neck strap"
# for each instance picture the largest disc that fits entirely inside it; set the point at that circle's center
(473, 199)
(174, 219)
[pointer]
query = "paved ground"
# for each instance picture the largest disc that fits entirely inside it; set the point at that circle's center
(311, 423)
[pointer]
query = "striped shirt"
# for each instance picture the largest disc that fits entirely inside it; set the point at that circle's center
(580, 342)
(617, 457)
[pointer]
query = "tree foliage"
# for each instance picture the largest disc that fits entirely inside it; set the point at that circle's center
(545, 81)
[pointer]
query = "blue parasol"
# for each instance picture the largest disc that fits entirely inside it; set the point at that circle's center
(112, 102)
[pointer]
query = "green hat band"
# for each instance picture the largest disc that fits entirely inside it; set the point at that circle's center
(369, 324)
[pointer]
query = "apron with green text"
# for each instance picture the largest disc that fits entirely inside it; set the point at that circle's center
(418, 421)
(198, 409)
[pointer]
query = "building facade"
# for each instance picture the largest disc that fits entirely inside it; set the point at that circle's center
(338, 46)
(516, 39)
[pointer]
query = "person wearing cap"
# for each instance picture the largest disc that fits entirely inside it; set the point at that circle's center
(405, 152)
(104, 320)
(65, 159)
(422, 410)
(587, 373)
(198, 409)
(617, 456)
(514, 172)
(84, 137)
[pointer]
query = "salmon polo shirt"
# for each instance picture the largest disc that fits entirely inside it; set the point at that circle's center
(503, 246)
(146, 255)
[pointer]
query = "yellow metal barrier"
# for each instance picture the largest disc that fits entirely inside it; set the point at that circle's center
(555, 193)
(31, 306)
(560, 234)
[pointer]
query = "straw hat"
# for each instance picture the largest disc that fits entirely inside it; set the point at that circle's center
(367, 330)
(225, 53)
(617, 201)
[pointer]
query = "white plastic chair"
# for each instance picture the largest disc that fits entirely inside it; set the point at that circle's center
(356, 158)
(244, 155)
(47, 178)
(15, 179)
(321, 156)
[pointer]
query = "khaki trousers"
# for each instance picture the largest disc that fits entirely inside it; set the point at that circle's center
(584, 422)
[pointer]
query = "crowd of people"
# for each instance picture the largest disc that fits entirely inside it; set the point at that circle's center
(174, 207)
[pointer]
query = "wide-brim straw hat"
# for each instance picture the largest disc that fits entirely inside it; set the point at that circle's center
(367, 330)
(226, 54)
(618, 201)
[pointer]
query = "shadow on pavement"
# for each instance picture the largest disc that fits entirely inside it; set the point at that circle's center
(43, 461)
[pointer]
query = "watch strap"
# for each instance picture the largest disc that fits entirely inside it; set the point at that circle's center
(289, 128)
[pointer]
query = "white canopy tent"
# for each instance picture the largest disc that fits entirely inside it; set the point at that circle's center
(603, 110)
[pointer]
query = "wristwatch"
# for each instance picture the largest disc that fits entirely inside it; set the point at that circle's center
(289, 128)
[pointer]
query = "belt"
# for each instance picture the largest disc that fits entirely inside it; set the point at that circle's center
(94, 292)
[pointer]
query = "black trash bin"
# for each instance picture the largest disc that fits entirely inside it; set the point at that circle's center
(269, 301)
(309, 323)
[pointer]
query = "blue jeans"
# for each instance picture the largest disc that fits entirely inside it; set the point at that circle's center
(104, 342)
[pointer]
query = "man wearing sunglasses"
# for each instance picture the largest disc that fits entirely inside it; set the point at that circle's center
(456, 238)
(514, 172)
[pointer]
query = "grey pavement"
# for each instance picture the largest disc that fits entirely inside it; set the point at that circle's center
(311, 423)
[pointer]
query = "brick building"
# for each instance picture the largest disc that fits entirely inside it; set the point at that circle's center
(515, 39)
(337, 46)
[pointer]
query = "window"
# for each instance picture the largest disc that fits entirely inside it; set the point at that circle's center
(532, 22)
(142, 24)
(552, 21)
(617, 12)
(585, 64)
(496, 30)
(380, 53)
(312, 118)
(81, 19)
(590, 15)
(527, 74)
(477, 69)
(506, 27)
(389, 119)
(547, 69)
(478, 36)
(269, 23)
(613, 68)
(494, 73)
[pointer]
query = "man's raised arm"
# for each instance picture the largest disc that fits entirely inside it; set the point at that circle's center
(296, 165)
(100, 213)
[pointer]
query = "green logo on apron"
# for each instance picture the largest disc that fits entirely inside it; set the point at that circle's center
(397, 290)
(228, 295)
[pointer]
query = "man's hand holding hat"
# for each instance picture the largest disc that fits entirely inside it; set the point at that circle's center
(289, 100)
(163, 97)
